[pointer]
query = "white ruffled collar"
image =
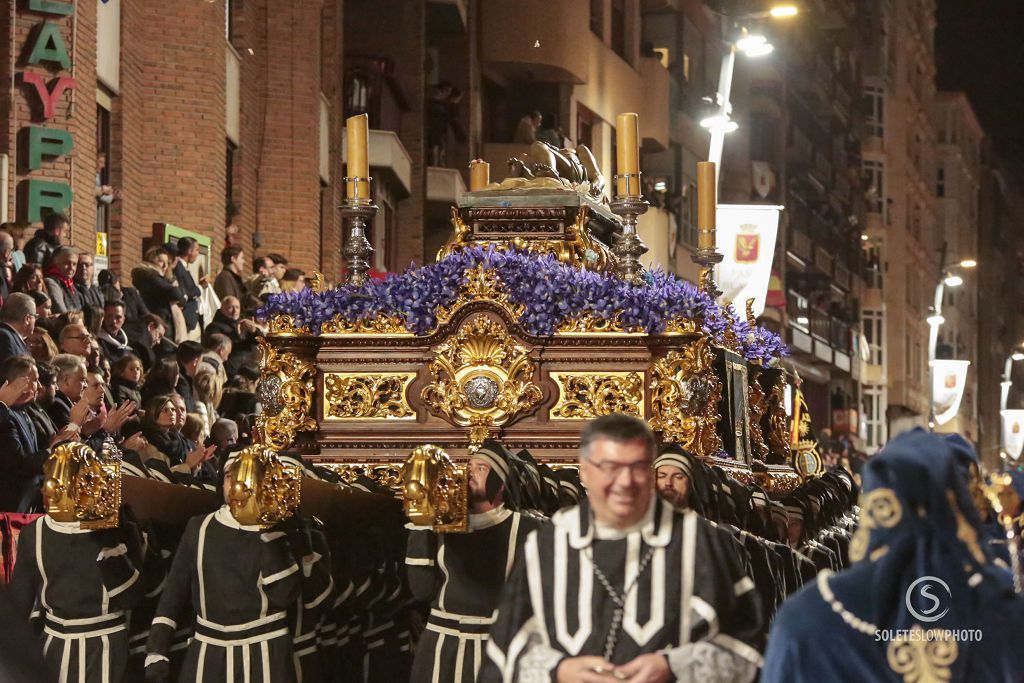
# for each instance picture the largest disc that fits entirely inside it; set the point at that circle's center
(483, 520)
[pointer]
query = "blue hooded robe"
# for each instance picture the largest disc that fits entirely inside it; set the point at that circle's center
(917, 520)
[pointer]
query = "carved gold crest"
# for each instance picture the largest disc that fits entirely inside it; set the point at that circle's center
(286, 393)
(481, 378)
(685, 392)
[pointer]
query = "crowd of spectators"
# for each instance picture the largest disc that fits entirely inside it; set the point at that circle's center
(163, 363)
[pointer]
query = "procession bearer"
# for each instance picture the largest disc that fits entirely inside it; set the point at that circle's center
(237, 582)
(462, 574)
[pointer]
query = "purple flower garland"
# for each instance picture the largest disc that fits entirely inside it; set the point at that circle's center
(550, 292)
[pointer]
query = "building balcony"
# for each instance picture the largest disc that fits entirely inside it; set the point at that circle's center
(444, 185)
(872, 373)
(389, 160)
(540, 47)
(800, 244)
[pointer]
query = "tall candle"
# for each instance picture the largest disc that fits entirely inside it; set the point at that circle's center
(706, 204)
(357, 134)
(479, 175)
(627, 149)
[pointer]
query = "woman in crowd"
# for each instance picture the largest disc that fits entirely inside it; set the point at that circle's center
(29, 279)
(126, 379)
(160, 380)
(161, 425)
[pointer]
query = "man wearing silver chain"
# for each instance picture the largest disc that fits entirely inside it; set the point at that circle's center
(623, 587)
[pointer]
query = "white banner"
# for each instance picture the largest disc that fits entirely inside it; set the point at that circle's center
(746, 236)
(949, 377)
(1013, 432)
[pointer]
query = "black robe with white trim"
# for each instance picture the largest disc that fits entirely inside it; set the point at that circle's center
(82, 583)
(694, 602)
(237, 583)
(462, 576)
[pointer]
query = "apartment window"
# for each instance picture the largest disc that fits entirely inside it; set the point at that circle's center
(597, 18)
(103, 201)
(940, 182)
(874, 332)
(618, 28)
(874, 107)
(586, 121)
(874, 181)
(873, 403)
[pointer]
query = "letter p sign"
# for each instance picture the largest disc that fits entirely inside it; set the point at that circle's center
(46, 142)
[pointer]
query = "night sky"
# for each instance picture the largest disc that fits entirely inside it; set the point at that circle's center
(980, 50)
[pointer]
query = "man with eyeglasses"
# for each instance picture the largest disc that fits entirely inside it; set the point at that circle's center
(461, 574)
(624, 587)
(75, 339)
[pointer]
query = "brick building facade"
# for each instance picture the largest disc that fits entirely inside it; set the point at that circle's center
(202, 111)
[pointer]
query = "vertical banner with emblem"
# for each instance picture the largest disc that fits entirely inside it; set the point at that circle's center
(949, 377)
(1013, 432)
(746, 236)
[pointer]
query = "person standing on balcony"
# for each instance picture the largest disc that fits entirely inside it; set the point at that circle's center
(526, 129)
(550, 133)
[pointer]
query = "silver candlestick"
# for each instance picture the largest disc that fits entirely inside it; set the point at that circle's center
(707, 259)
(628, 247)
(357, 214)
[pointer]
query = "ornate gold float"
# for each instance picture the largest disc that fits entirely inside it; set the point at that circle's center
(363, 394)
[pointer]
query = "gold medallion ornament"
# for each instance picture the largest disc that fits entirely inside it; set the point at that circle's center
(361, 396)
(481, 378)
(81, 486)
(286, 392)
(264, 490)
(583, 395)
(434, 490)
(685, 392)
(923, 656)
(879, 508)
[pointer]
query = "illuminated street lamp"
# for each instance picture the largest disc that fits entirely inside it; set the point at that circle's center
(947, 278)
(783, 11)
(752, 45)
